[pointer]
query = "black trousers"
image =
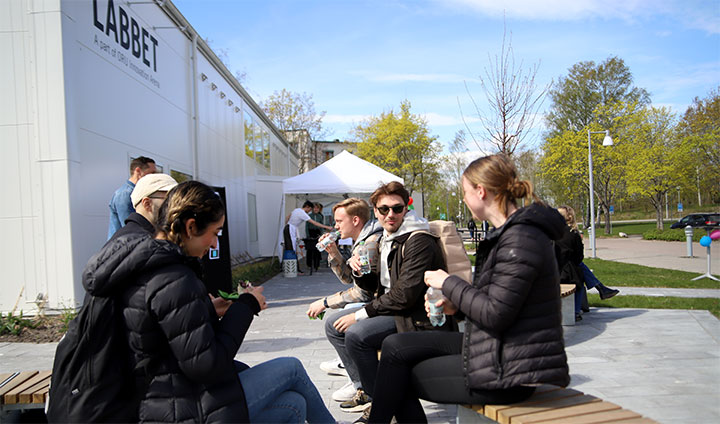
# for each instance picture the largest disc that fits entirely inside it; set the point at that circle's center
(427, 365)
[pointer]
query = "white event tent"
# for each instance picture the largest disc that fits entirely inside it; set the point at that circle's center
(343, 176)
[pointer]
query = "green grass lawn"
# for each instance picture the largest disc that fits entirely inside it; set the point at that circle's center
(646, 302)
(613, 274)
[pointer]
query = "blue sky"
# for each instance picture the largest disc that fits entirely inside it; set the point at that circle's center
(360, 58)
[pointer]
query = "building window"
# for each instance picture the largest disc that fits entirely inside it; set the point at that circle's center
(328, 154)
(252, 217)
(180, 176)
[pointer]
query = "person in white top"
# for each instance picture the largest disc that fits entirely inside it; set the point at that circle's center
(293, 222)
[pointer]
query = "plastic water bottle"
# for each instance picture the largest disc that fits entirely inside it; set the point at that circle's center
(437, 317)
(331, 238)
(364, 258)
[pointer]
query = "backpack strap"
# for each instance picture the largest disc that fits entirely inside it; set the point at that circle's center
(402, 249)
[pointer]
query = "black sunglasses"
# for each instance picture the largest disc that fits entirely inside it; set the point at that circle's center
(395, 208)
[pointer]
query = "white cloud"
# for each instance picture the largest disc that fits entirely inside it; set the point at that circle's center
(696, 14)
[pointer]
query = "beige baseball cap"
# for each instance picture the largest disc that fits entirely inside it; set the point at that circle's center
(149, 184)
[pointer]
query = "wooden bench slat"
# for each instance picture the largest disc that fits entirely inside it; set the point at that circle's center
(641, 420)
(11, 396)
(492, 411)
(41, 395)
(599, 417)
(4, 376)
(567, 289)
(28, 394)
(505, 416)
(571, 411)
(18, 380)
(543, 388)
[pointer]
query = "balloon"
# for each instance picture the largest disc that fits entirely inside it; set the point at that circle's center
(715, 234)
(705, 241)
(411, 208)
(410, 202)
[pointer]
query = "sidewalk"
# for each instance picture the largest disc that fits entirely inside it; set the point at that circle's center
(658, 254)
(664, 364)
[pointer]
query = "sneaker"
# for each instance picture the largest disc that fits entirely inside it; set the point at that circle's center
(365, 418)
(334, 367)
(358, 402)
(345, 393)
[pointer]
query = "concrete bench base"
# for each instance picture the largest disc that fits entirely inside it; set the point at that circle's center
(567, 292)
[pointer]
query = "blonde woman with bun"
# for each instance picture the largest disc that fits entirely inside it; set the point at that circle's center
(513, 338)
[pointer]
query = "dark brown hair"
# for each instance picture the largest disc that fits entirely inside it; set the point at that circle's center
(190, 199)
(497, 174)
(393, 187)
(141, 161)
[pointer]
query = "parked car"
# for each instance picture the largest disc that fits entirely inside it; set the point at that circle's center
(698, 220)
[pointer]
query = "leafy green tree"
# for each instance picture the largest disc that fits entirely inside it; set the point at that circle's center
(565, 162)
(401, 144)
(294, 111)
(699, 130)
(659, 161)
(588, 85)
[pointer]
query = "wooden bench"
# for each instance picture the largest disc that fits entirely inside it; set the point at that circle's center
(552, 404)
(568, 303)
(23, 390)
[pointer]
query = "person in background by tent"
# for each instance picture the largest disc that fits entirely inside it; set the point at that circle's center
(293, 222)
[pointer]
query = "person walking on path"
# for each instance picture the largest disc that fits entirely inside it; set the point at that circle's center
(120, 204)
(513, 336)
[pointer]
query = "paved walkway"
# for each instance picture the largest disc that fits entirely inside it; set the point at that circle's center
(664, 364)
(659, 254)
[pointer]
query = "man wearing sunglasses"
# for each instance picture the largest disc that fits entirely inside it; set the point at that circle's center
(398, 304)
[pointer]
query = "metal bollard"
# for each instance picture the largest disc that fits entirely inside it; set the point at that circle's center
(689, 237)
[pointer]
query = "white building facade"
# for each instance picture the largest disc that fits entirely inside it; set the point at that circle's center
(86, 86)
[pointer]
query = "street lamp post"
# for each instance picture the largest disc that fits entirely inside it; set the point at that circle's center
(607, 141)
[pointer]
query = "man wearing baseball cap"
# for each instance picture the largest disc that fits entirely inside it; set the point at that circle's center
(146, 197)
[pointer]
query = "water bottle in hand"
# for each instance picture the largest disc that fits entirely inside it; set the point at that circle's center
(437, 317)
(363, 258)
(325, 242)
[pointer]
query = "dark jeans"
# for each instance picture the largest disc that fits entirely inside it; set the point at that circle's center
(313, 255)
(427, 365)
(358, 346)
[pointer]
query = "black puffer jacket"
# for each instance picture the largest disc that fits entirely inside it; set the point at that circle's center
(513, 332)
(171, 322)
(569, 254)
(408, 260)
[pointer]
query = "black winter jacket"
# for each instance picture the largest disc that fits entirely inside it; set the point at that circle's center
(513, 332)
(406, 299)
(171, 322)
(569, 254)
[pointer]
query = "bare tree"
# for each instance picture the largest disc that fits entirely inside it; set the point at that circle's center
(513, 100)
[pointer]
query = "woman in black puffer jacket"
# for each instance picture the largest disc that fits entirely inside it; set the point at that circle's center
(513, 338)
(175, 331)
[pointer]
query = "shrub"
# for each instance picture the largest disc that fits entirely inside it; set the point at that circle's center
(12, 324)
(671, 235)
(257, 273)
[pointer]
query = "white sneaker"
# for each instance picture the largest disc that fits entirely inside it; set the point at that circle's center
(345, 393)
(334, 367)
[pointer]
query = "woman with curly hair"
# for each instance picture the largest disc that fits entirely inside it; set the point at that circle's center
(182, 341)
